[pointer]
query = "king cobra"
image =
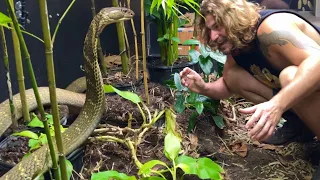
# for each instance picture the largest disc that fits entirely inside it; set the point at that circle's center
(93, 107)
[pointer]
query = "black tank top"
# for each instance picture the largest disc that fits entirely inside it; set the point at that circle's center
(256, 63)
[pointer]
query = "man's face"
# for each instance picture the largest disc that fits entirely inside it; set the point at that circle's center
(218, 34)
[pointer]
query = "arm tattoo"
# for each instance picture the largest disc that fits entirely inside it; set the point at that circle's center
(281, 38)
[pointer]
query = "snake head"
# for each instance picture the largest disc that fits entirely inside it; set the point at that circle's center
(116, 14)
(111, 15)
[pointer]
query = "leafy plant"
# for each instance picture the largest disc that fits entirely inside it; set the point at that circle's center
(35, 140)
(210, 62)
(203, 167)
(165, 14)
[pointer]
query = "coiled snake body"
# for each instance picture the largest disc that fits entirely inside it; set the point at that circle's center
(40, 161)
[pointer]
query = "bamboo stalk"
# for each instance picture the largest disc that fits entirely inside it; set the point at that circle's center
(122, 46)
(175, 34)
(7, 69)
(33, 82)
(52, 87)
(135, 44)
(100, 53)
(20, 76)
(144, 61)
(126, 40)
(135, 48)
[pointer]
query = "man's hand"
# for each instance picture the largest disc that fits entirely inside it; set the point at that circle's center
(192, 80)
(264, 120)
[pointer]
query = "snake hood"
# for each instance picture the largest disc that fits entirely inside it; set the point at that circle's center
(114, 14)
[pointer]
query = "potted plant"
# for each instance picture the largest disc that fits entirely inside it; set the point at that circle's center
(165, 14)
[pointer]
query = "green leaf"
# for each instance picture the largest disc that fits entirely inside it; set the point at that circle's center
(35, 122)
(202, 98)
(194, 55)
(37, 146)
(153, 178)
(187, 162)
(206, 64)
(175, 39)
(147, 167)
(34, 142)
(43, 138)
(69, 168)
(221, 58)
(219, 121)
(160, 39)
(192, 121)
(207, 169)
(26, 133)
(4, 20)
(179, 105)
(125, 94)
(49, 119)
(177, 81)
(111, 174)
(171, 122)
(166, 36)
(191, 42)
(205, 52)
(199, 107)
(172, 146)
(192, 98)
(182, 22)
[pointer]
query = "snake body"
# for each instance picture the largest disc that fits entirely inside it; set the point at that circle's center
(40, 161)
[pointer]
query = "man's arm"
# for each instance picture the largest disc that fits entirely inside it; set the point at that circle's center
(219, 88)
(215, 90)
(285, 39)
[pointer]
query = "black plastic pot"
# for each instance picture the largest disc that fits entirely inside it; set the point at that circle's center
(74, 157)
(159, 73)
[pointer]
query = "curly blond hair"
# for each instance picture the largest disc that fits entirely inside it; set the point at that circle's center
(238, 17)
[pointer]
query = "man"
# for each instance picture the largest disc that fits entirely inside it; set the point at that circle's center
(273, 60)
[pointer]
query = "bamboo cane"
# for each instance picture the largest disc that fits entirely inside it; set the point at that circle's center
(100, 53)
(33, 82)
(20, 76)
(135, 44)
(122, 46)
(52, 87)
(144, 61)
(7, 69)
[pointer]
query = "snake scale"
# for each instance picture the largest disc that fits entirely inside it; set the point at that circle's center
(93, 106)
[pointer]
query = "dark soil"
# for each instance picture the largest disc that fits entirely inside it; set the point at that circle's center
(241, 158)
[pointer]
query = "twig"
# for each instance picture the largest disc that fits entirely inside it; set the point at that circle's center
(225, 145)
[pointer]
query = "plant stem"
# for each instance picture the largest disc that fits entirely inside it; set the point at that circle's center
(33, 82)
(144, 60)
(136, 49)
(7, 69)
(52, 86)
(100, 53)
(122, 46)
(174, 173)
(60, 20)
(175, 34)
(19, 68)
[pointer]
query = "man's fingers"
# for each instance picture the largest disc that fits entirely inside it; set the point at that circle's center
(270, 132)
(258, 127)
(248, 110)
(253, 119)
(185, 71)
(264, 131)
